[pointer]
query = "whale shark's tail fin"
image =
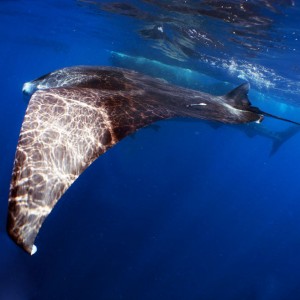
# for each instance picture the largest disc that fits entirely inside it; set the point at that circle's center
(278, 138)
(282, 137)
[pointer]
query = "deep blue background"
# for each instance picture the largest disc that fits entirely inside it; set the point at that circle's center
(188, 212)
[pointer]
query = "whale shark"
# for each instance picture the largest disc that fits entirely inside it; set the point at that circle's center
(75, 114)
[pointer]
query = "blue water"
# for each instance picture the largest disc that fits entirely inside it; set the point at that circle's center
(189, 211)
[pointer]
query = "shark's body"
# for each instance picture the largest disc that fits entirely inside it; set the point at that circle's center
(278, 138)
(76, 114)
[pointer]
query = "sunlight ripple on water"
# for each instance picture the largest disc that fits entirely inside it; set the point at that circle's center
(252, 44)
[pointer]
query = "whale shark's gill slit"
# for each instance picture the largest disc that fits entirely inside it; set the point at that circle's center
(83, 118)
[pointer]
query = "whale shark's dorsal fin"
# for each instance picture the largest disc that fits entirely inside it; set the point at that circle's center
(238, 97)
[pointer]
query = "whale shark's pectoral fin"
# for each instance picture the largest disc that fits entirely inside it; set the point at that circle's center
(63, 132)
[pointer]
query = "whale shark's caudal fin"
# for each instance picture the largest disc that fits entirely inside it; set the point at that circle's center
(282, 137)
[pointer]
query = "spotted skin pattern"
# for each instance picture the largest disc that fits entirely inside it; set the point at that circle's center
(75, 115)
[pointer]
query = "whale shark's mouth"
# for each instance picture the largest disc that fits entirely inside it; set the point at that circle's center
(29, 88)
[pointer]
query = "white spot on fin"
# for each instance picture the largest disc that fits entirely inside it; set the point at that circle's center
(28, 88)
(33, 250)
(260, 119)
